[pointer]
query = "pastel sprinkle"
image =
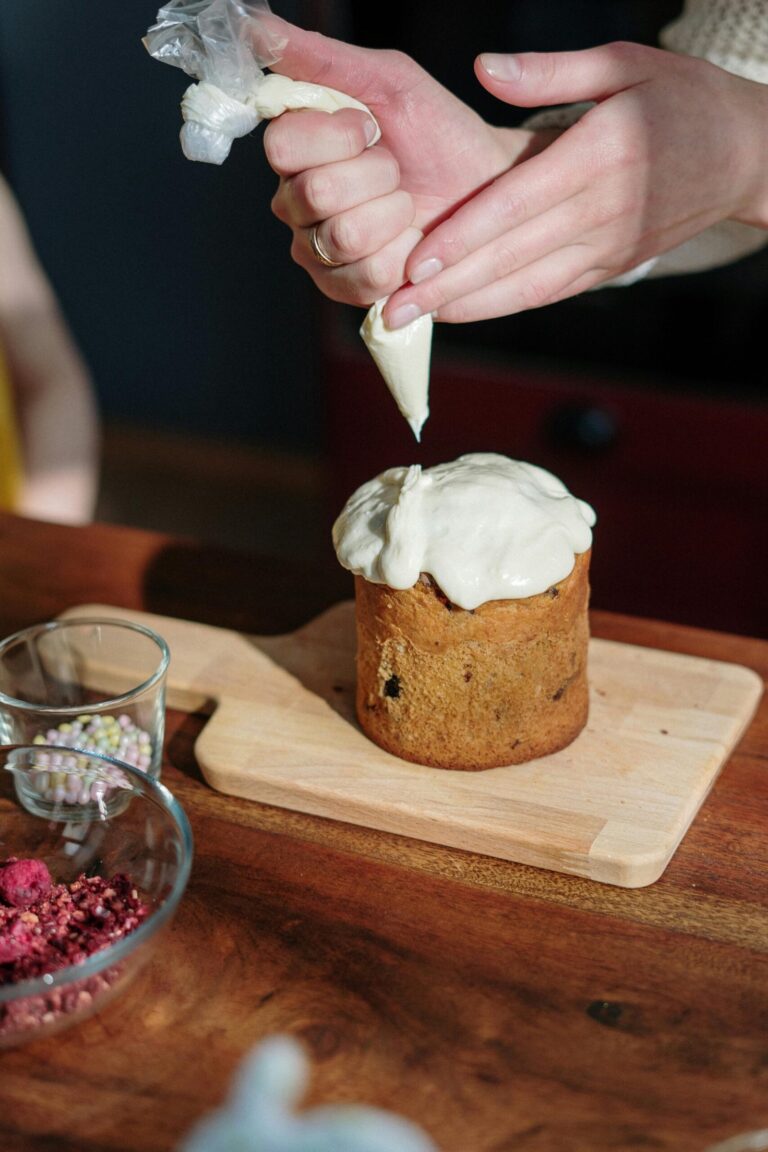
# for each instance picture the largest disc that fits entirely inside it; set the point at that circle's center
(62, 778)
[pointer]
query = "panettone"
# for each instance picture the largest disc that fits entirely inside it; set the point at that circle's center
(499, 679)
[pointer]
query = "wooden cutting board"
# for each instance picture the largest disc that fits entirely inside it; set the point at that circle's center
(613, 806)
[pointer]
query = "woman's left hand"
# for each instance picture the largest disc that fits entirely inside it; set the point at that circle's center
(672, 146)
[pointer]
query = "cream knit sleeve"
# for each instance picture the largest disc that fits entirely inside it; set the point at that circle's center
(733, 34)
(730, 33)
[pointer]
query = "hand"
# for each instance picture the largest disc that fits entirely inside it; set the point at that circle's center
(672, 146)
(373, 205)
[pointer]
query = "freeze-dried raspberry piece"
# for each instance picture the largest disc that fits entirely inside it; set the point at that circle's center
(66, 925)
(17, 940)
(23, 882)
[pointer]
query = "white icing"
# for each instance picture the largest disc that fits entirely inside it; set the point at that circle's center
(277, 94)
(484, 527)
(214, 118)
(402, 356)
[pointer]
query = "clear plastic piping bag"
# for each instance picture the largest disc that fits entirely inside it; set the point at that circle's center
(226, 45)
(216, 40)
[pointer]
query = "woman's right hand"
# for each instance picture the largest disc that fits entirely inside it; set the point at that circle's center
(372, 205)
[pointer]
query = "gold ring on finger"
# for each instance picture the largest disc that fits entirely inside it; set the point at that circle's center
(319, 252)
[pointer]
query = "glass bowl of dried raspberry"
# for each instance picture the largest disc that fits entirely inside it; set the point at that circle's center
(88, 881)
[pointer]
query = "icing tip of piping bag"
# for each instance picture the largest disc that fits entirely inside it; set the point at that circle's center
(416, 426)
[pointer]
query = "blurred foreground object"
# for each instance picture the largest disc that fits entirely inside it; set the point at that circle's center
(258, 1117)
(746, 1142)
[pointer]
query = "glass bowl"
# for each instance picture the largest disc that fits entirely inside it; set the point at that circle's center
(117, 821)
(89, 683)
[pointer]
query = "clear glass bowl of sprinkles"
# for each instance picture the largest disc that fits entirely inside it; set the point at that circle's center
(87, 886)
(86, 683)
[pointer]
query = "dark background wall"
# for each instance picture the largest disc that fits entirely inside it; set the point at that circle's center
(174, 276)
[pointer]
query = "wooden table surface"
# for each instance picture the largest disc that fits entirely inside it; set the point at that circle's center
(501, 1007)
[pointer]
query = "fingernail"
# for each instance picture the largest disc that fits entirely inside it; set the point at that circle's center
(370, 128)
(426, 269)
(403, 315)
(501, 67)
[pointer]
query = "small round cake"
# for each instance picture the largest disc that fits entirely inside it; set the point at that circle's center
(471, 593)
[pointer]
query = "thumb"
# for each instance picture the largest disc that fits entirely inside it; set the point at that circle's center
(532, 79)
(316, 58)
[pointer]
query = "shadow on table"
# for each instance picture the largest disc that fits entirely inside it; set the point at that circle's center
(246, 592)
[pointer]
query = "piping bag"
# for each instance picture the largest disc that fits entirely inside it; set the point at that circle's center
(226, 46)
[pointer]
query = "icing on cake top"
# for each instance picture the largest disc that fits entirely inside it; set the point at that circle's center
(484, 527)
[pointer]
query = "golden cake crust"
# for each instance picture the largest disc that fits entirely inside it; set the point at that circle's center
(451, 688)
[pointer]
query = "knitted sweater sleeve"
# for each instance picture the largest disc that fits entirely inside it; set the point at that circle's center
(730, 33)
(733, 34)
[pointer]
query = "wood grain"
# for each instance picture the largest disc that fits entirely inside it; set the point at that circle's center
(503, 1007)
(613, 806)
